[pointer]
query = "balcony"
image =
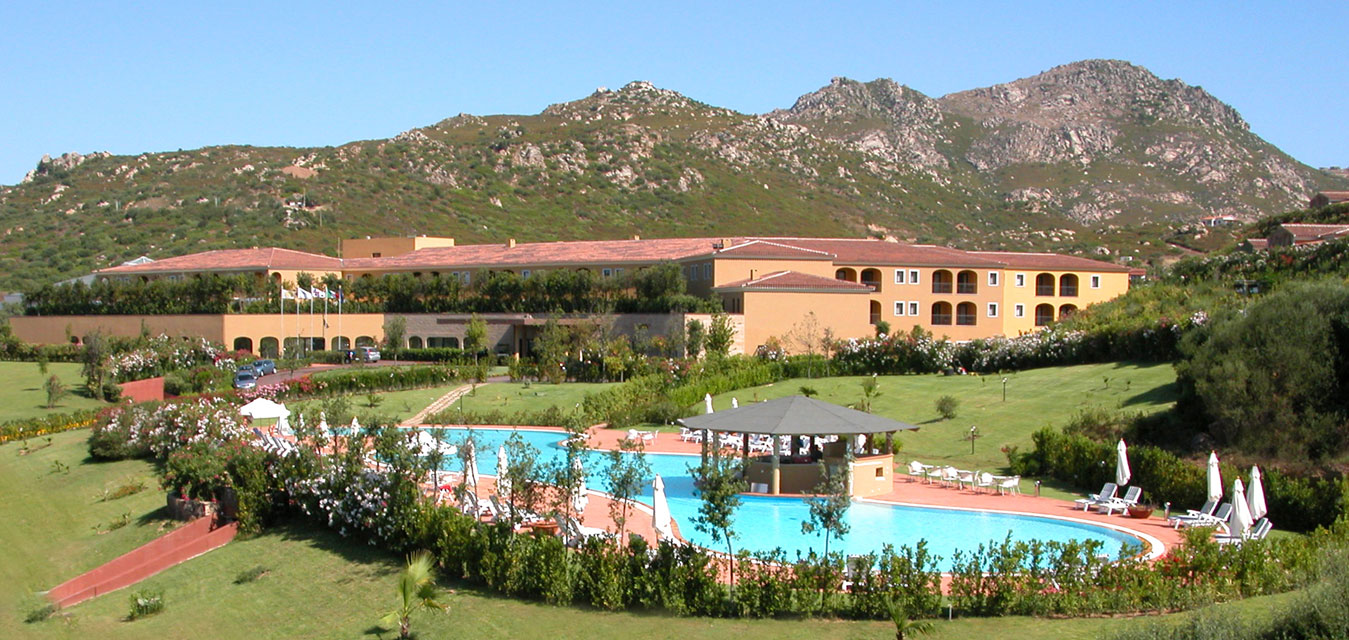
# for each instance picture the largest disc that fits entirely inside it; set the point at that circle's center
(941, 318)
(1044, 290)
(967, 287)
(941, 287)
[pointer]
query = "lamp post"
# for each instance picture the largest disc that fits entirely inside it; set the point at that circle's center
(971, 437)
(1004, 388)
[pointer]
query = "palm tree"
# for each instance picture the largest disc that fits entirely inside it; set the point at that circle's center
(905, 626)
(416, 590)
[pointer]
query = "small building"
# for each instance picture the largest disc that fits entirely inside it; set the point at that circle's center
(1297, 234)
(1327, 198)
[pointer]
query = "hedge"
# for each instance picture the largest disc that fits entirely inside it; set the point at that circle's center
(46, 425)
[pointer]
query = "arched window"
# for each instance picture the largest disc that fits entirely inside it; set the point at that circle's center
(872, 278)
(966, 312)
(269, 348)
(415, 342)
(941, 281)
(341, 343)
(846, 273)
(244, 344)
(317, 344)
(1044, 284)
(365, 341)
(1044, 314)
(941, 312)
(875, 312)
(967, 282)
(1068, 285)
(1066, 310)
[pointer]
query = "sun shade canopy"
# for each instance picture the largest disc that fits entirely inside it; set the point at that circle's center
(795, 416)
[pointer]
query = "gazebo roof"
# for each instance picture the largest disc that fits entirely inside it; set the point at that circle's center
(795, 416)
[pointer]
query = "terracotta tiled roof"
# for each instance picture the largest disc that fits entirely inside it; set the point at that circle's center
(864, 251)
(771, 249)
(795, 281)
(1050, 261)
(1258, 243)
(1335, 196)
(1310, 232)
(234, 260)
(584, 252)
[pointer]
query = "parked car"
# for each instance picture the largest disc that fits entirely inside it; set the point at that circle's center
(247, 368)
(367, 354)
(245, 380)
(265, 367)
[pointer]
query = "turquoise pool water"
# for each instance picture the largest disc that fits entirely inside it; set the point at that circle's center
(766, 523)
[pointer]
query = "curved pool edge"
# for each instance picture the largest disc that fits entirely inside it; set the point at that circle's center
(1156, 548)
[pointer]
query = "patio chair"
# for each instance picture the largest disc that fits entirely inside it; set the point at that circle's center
(950, 476)
(983, 479)
(1107, 493)
(964, 477)
(1218, 519)
(854, 567)
(1130, 499)
(1010, 484)
(690, 435)
(1206, 510)
(934, 472)
(917, 469)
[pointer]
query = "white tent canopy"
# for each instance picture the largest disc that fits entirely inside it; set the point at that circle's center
(264, 408)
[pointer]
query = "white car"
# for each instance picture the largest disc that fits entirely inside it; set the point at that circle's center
(367, 354)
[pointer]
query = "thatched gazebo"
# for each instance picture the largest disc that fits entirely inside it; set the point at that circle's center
(832, 435)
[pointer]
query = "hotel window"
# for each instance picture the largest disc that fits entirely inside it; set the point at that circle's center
(992, 278)
(1096, 282)
(992, 309)
(899, 278)
(707, 271)
(618, 272)
(913, 308)
(1019, 310)
(899, 308)
(913, 277)
(1020, 280)
(524, 273)
(608, 272)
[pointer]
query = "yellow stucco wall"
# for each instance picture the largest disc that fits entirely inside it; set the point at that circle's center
(775, 313)
(368, 247)
(1112, 285)
(56, 329)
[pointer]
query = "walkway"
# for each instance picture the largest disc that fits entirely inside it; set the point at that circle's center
(441, 403)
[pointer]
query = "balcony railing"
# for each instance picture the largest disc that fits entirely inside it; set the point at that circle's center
(875, 318)
(1068, 290)
(1042, 290)
(941, 287)
(966, 319)
(874, 284)
(941, 318)
(967, 287)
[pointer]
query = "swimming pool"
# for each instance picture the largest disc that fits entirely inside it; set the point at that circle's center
(765, 523)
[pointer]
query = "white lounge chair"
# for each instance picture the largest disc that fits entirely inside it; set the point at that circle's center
(690, 435)
(1207, 510)
(1106, 494)
(1256, 532)
(1218, 519)
(1131, 498)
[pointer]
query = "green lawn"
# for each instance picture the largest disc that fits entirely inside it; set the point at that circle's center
(319, 585)
(1035, 398)
(24, 396)
(398, 405)
(519, 396)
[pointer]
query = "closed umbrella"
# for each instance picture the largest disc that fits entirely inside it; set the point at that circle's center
(660, 511)
(323, 426)
(471, 471)
(1215, 478)
(503, 483)
(1240, 520)
(1255, 498)
(707, 402)
(735, 404)
(1122, 473)
(580, 498)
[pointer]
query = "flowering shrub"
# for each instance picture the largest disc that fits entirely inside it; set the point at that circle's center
(157, 429)
(195, 472)
(163, 354)
(44, 425)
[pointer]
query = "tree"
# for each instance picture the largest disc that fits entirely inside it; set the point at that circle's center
(882, 328)
(624, 478)
(416, 590)
(719, 484)
(904, 625)
(525, 475)
(94, 360)
(720, 335)
(553, 349)
(828, 511)
(475, 336)
(808, 336)
(697, 334)
(395, 333)
(946, 406)
(871, 389)
(55, 391)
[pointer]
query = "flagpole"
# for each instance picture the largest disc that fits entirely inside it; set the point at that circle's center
(340, 298)
(325, 317)
(281, 340)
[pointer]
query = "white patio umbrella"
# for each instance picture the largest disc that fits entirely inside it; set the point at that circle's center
(503, 483)
(1255, 498)
(471, 470)
(707, 401)
(660, 510)
(735, 404)
(580, 498)
(1241, 519)
(323, 426)
(1215, 478)
(355, 427)
(1122, 472)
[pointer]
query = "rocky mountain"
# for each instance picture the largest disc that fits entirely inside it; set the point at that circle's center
(1097, 157)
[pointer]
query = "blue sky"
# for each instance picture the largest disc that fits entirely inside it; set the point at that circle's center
(156, 77)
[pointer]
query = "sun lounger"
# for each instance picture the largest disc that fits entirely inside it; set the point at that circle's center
(1218, 519)
(690, 435)
(1130, 499)
(1256, 532)
(1106, 494)
(1207, 510)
